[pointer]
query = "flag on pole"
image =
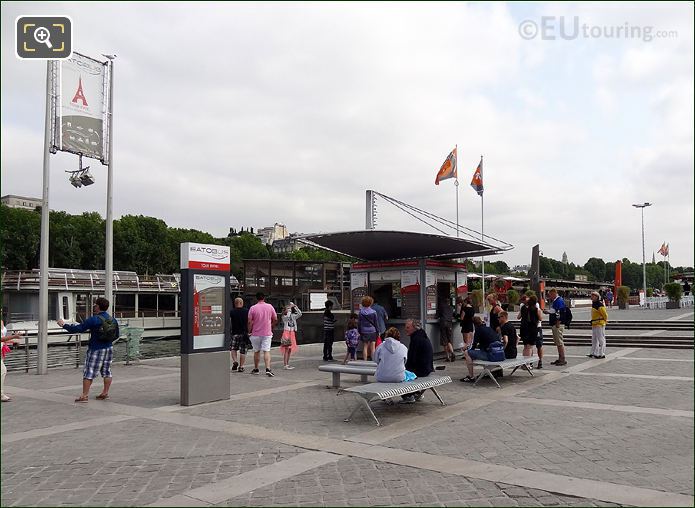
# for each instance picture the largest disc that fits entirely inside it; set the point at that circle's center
(663, 250)
(477, 181)
(448, 169)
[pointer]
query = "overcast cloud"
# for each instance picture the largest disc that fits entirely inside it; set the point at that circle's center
(246, 114)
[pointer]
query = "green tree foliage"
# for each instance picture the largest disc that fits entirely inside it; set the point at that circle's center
(20, 234)
(597, 268)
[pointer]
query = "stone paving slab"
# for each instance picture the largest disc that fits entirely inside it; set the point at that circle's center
(667, 394)
(361, 482)
(650, 451)
(136, 463)
(24, 414)
(683, 354)
(622, 366)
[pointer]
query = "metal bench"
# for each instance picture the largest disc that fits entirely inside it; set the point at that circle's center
(381, 391)
(336, 369)
(515, 363)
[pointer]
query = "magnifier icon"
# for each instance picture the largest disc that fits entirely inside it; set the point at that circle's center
(43, 36)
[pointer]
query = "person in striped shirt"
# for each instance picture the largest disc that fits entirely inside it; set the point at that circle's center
(328, 332)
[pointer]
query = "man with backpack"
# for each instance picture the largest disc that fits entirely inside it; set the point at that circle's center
(103, 331)
(559, 317)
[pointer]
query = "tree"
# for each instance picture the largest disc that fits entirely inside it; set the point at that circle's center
(597, 268)
(20, 237)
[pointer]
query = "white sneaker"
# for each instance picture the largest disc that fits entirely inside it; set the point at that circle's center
(288, 367)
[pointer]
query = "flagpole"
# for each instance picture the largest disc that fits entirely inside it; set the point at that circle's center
(482, 228)
(456, 184)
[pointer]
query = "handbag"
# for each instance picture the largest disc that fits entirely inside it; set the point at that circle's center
(378, 341)
(286, 340)
(495, 352)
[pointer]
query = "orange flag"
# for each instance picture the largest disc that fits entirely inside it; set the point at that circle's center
(477, 181)
(448, 169)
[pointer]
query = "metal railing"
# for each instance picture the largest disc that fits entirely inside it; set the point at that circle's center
(60, 354)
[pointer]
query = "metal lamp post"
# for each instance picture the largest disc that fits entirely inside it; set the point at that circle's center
(644, 263)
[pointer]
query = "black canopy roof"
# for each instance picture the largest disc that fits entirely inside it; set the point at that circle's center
(373, 245)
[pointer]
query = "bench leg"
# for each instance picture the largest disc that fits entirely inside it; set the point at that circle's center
(437, 395)
(369, 408)
(487, 373)
(514, 370)
(336, 379)
(528, 370)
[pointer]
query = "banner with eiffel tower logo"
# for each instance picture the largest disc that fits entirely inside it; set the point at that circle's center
(81, 112)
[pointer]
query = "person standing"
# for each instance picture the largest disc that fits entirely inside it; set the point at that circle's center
(599, 318)
(532, 326)
(495, 310)
(556, 318)
(352, 339)
(609, 298)
(368, 327)
(445, 315)
(467, 329)
(288, 342)
(420, 355)
(262, 318)
(239, 316)
(5, 349)
(103, 331)
(381, 318)
(328, 331)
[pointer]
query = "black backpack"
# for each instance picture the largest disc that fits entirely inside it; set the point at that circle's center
(108, 331)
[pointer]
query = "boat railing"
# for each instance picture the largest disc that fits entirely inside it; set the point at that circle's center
(19, 280)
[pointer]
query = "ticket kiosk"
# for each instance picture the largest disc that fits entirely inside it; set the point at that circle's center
(205, 304)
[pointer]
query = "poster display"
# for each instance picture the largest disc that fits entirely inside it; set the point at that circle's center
(208, 311)
(81, 112)
(358, 289)
(461, 283)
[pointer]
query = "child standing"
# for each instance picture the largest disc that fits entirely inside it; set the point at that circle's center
(352, 339)
(328, 332)
(288, 342)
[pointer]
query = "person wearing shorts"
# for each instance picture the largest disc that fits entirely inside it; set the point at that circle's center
(239, 316)
(531, 328)
(262, 318)
(99, 352)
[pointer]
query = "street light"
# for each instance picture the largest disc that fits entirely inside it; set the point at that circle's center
(81, 176)
(644, 263)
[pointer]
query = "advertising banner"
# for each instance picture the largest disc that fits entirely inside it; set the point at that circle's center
(208, 311)
(410, 281)
(81, 113)
(358, 289)
(461, 283)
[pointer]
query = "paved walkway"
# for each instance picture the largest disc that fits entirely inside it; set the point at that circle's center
(607, 432)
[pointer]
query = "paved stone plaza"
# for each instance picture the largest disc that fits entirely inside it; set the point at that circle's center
(607, 432)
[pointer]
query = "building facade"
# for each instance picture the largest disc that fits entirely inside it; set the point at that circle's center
(20, 202)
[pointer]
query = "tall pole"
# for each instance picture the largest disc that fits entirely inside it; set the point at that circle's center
(456, 183)
(42, 339)
(644, 262)
(644, 258)
(482, 239)
(109, 197)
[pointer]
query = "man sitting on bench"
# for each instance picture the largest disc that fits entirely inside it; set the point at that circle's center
(484, 336)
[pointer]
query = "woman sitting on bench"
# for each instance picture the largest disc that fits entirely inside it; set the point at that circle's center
(390, 358)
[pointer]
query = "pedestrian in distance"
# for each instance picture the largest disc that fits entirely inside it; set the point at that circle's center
(352, 339)
(495, 310)
(104, 331)
(6, 349)
(239, 317)
(367, 324)
(445, 316)
(262, 318)
(609, 298)
(599, 318)
(328, 331)
(288, 341)
(467, 329)
(556, 315)
(531, 320)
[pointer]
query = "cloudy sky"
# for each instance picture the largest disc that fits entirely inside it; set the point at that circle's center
(246, 114)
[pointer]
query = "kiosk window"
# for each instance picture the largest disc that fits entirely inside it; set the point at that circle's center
(387, 294)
